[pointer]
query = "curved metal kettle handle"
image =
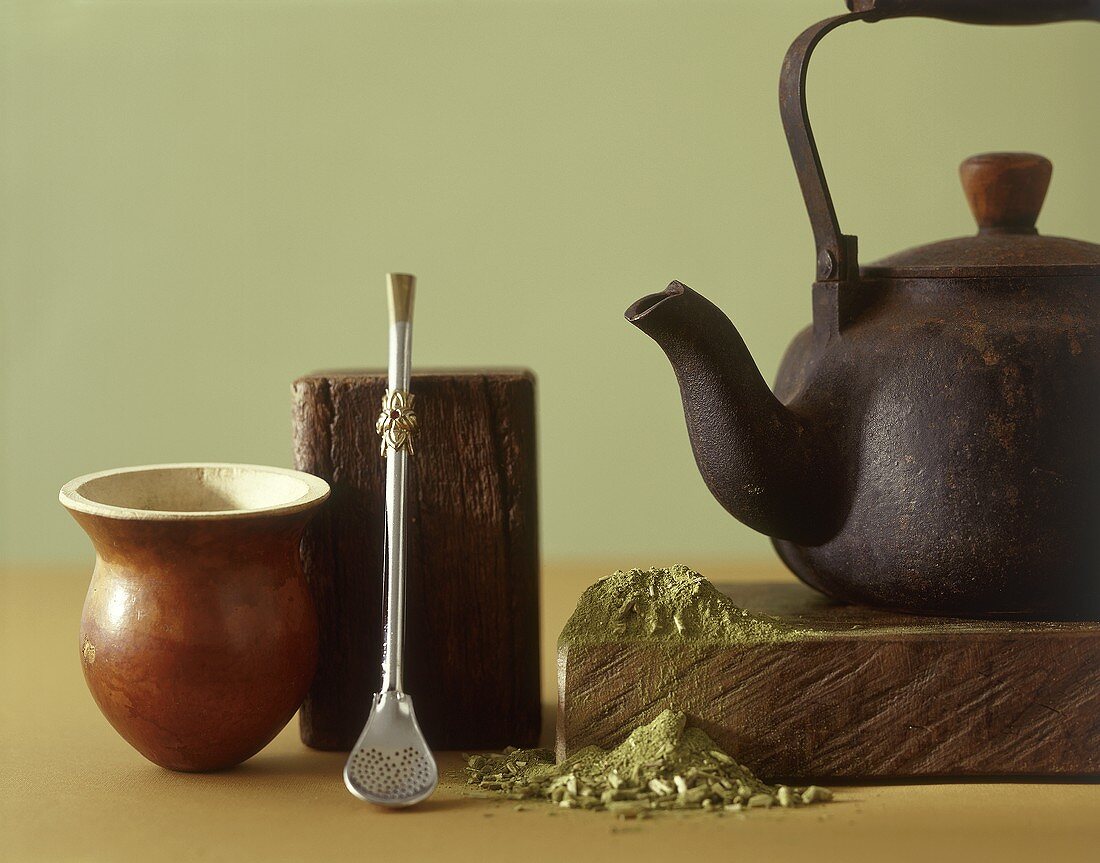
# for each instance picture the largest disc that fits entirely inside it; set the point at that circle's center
(837, 252)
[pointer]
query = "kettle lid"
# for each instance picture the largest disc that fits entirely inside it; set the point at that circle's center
(1005, 192)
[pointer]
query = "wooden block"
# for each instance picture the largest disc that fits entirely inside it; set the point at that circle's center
(472, 628)
(868, 694)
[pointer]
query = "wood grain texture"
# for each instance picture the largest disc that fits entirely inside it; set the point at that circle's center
(865, 694)
(472, 636)
(1006, 190)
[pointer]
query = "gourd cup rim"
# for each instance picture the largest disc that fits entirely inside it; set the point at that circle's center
(198, 491)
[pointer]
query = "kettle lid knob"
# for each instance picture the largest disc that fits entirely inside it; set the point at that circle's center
(1006, 190)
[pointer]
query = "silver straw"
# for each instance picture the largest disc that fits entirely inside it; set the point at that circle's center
(401, 293)
(391, 764)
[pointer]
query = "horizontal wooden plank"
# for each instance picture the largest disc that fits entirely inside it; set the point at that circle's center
(859, 694)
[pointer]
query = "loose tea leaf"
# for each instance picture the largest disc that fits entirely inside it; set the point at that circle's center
(662, 765)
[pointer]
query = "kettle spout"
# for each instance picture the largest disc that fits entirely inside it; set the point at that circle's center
(767, 466)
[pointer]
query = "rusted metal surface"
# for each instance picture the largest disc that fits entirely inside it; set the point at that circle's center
(837, 260)
(966, 414)
(933, 442)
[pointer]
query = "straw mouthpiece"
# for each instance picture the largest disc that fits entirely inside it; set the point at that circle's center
(402, 286)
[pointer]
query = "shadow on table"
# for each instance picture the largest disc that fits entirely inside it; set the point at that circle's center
(306, 764)
(323, 772)
(303, 763)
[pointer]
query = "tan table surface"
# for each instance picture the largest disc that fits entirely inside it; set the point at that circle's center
(71, 789)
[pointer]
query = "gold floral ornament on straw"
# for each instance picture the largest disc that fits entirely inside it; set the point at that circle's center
(397, 422)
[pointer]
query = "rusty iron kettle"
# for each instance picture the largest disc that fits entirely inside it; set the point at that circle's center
(933, 441)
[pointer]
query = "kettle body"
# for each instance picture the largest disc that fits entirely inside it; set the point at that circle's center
(967, 415)
(932, 443)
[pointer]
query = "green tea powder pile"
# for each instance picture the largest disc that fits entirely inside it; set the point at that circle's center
(662, 765)
(661, 605)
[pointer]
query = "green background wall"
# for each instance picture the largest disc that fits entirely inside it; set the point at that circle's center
(199, 201)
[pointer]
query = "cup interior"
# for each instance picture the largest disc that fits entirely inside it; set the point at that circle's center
(192, 490)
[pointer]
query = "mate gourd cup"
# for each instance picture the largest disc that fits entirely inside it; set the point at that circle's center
(199, 636)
